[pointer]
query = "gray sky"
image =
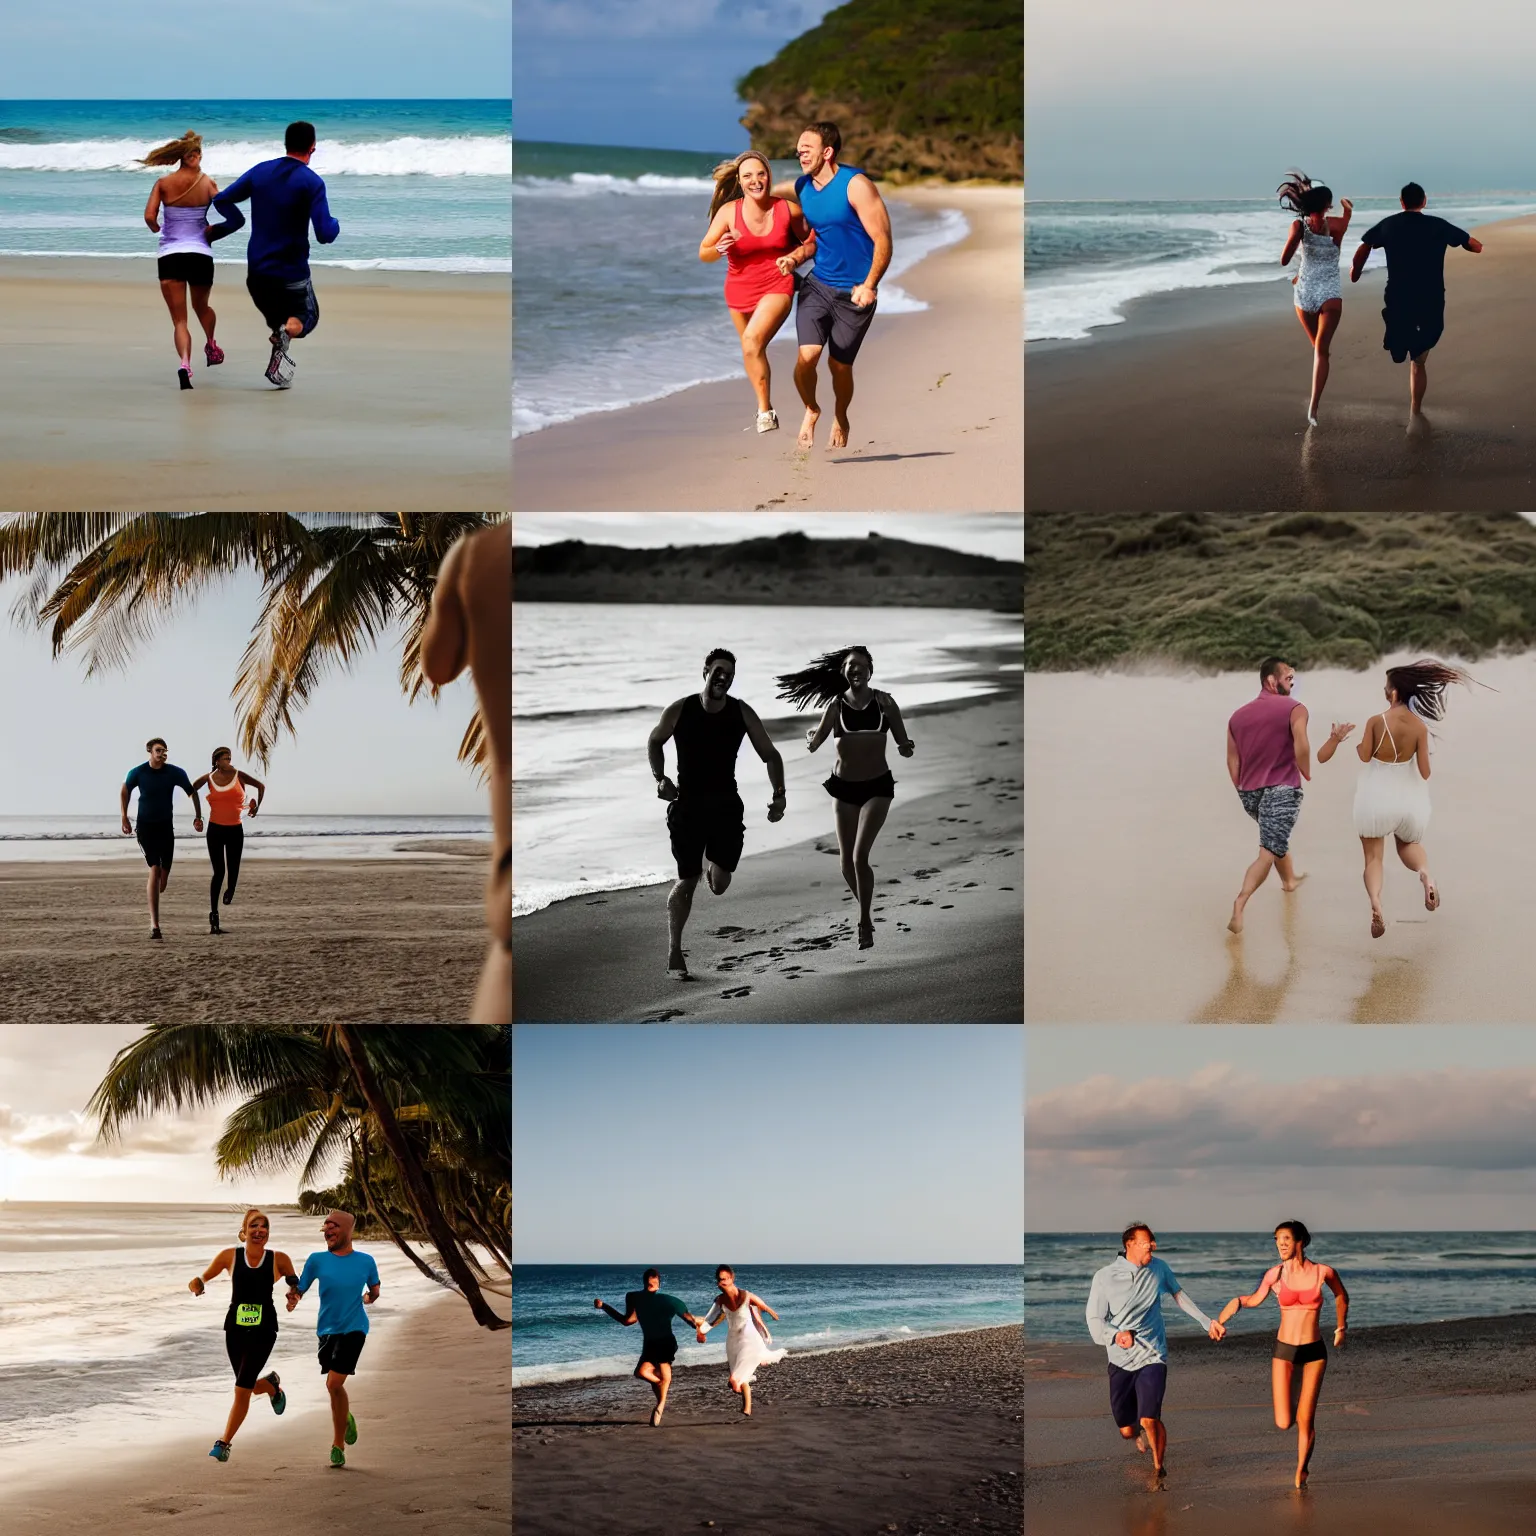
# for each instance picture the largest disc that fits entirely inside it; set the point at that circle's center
(1214, 1128)
(1208, 99)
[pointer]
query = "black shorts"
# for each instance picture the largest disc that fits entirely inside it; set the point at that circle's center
(1300, 1354)
(709, 827)
(660, 1351)
(339, 1352)
(158, 840)
(1137, 1395)
(858, 791)
(193, 267)
(280, 301)
(1412, 329)
(248, 1350)
(824, 314)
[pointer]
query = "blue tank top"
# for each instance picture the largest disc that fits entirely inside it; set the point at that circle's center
(844, 249)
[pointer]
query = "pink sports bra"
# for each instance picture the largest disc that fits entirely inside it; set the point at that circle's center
(1312, 1300)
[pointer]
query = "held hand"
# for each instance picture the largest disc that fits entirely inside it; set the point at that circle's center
(906, 748)
(1125, 1338)
(703, 1337)
(786, 265)
(776, 808)
(1218, 1332)
(666, 789)
(863, 295)
(293, 1300)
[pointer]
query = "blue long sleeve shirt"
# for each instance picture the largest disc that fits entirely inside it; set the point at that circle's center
(286, 198)
(1127, 1298)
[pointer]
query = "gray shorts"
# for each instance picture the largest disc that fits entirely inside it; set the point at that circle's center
(1275, 808)
(828, 317)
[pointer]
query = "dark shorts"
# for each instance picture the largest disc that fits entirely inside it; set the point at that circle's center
(187, 267)
(158, 840)
(1412, 329)
(858, 791)
(248, 1350)
(1300, 1354)
(659, 1351)
(281, 301)
(824, 315)
(1275, 808)
(709, 827)
(339, 1352)
(1137, 1395)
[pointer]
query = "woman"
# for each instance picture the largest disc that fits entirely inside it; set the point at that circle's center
(861, 783)
(763, 238)
(748, 1344)
(1298, 1287)
(1393, 793)
(250, 1325)
(226, 837)
(1319, 293)
(186, 256)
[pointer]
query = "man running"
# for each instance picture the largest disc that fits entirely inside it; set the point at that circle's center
(1125, 1315)
(343, 1272)
(654, 1312)
(286, 197)
(157, 782)
(1415, 243)
(706, 819)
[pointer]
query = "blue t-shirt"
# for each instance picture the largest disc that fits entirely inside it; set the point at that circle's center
(844, 249)
(343, 1278)
(156, 787)
(286, 197)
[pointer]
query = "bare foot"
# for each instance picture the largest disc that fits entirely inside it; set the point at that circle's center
(1378, 927)
(675, 960)
(807, 438)
(1301, 1479)
(656, 1413)
(839, 438)
(1236, 925)
(866, 935)
(1431, 894)
(1141, 1442)
(1294, 883)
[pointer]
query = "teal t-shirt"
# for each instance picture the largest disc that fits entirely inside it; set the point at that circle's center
(343, 1278)
(655, 1311)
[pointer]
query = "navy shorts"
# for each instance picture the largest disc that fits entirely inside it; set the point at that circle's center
(709, 827)
(1137, 1395)
(280, 302)
(660, 1351)
(824, 315)
(158, 840)
(339, 1352)
(1275, 808)
(1412, 329)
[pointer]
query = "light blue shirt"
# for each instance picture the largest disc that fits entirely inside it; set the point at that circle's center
(1128, 1298)
(343, 1278)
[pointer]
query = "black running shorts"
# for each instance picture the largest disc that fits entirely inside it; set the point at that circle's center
(281, 301)
(824, 315)
(709, 827)
(339, 1352)
(187, 267)
(158, 840)
(1412, 329)
(660, 1351)
(249, 1350)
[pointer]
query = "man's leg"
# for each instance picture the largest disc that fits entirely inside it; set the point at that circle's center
(1289, 877)
(648, 1373)
(842, 397)
(1418, 382)
(1157, 1438)
(719, 880)
(679, 905)
(155, 887)
(1255, 876)
(805, 382)
(664, 1372)
(336, 1385)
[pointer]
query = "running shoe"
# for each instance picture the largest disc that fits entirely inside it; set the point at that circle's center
(281, 367)
(279, 1397)
(184, 377)
(213, 352)
(220, 1451)
(767, 421)
(154, 933)
(338, 1456)
(351, 1430)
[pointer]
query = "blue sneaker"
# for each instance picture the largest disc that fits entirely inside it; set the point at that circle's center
(279, 1397)
(220, 1451)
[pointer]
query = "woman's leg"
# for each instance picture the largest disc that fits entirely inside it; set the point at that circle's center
(203, 310)
(1306, 1416)
(1327, 323)
(1414, 856)
(1373, 862)
(757, 374)
(746, 1398)
(175, 296)
(763, 326)
(237, 1413)
(1308, 324)
(847, 835)
(216, 858)
(872, 816)
(236, 848)
(1280, 1390)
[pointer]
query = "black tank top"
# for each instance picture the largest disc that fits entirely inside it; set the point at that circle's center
(706, 747)
(252, 1288)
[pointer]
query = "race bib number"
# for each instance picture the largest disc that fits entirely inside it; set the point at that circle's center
(248, 1314)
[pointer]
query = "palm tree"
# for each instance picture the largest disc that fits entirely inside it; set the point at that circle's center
(331, 584)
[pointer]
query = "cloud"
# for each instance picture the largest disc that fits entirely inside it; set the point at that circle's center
(74, 1135)
(667, 18)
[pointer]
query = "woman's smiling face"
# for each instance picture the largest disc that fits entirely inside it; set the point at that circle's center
(753, 175)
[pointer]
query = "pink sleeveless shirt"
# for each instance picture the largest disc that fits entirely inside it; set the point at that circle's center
(1265, 752)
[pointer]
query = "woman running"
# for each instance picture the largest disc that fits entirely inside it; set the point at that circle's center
(861, 783)
(1298, 1287)
(1319, 293)
(748, 1344)
(186, 256)
(250, 1325)
(226, 837)
(763, 238)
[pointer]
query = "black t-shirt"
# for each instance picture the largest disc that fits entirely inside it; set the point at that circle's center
(1415, 244)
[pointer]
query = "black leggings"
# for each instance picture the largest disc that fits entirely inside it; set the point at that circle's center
(222, 841)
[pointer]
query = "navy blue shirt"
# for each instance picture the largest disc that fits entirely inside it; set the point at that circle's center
(155, 787)
(1415, 244)
(286, 198)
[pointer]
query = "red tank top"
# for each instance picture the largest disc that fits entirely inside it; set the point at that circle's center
(750, 270)
(226, 802)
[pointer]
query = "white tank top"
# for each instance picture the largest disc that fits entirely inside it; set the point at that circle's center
(184, 230)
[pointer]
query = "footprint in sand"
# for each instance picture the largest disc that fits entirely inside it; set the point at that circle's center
(736, 992)
(950, 907)
(602, 901)
(1005, 887)
(663, 1016)
(968, 884)
(721, 933)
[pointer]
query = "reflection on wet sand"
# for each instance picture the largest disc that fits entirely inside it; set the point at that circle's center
(1243, 999)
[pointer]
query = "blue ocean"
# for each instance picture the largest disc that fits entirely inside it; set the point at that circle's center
(418, 186)
(557, 1334)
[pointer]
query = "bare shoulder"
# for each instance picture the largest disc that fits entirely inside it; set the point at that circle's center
(862, 189)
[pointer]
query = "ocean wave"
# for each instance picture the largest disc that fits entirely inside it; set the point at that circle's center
(592, 184)
(407, 155)
(462, 264)
(544, 893)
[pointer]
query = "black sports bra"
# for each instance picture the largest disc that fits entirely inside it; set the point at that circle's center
(869, 721)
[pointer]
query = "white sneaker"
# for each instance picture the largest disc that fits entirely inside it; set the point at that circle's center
(767, 421)
(281, 368)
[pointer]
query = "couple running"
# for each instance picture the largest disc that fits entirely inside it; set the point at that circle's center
(748, 1344)
(1125, 1315)
(705, 816)
(348, 1281)
(835, 216)
(1415, 243)
(1268, 755)
(157, 781)
(286, 198)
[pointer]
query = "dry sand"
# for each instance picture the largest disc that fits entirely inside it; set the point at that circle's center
(432, 1406)
(401, 399)
(937, 413)
(1421, 1429)
(918, 1437)
(1136, 845)
(1177, 411)
(307, 940)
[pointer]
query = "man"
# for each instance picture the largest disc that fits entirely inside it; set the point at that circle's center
(706, 817)
(1125, 1315)
(286, 197)
(654, 1312)
(471, 625)
(349, 1279)
(1415, 243)
(157, 782)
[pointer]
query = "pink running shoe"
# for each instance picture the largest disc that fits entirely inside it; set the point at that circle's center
(213, 352)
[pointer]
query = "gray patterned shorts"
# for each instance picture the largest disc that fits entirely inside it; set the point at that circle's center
(1275, 808)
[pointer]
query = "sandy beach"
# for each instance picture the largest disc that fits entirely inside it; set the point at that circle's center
(401, 399)
(1422, 1428)
(307, 940)
(1200, 399)
(1137, 845)
(936, 417)
(781, 945)
(913, 1437)
(432, 1454)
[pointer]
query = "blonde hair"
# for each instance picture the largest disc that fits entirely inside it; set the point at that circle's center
(245, 1224)
(176, 151)
(728, 179)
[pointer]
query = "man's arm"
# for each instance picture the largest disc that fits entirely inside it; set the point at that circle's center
(1234, 762)
(445, 639)
(769, 753)
(326, 228)
(1299, 742)
(655, 749)
(227, 205)
(122, 801)
(615, 1314)
(1214, 1329)
(1098, 1315)
(1362, 255)
(876, 219)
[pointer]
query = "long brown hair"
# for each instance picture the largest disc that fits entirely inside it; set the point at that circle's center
(176, 151)
(1421, 685)
(728, 180)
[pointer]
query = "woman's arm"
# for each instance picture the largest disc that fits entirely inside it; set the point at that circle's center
(818, 734)
(1292, 240)
(1340, 1303)
(1423, 752)
(1367, 748)
(758, 1302)
(152, 209)
(283, 1267)
(709, 246)
(1232, 1307)
(904, 743)
(1336, 739)
(222, 1261)
(1337, 227)
(250, 781)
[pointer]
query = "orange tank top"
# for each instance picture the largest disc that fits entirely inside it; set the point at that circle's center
(226, 804)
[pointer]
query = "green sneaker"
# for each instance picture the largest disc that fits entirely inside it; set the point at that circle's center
(338, 1456)
(351, 1430)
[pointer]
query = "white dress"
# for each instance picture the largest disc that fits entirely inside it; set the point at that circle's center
(748, 1344)
(1392, 799)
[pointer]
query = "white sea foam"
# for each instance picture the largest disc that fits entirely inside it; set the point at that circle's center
(406, 155)
(464, 264)
(589, 184)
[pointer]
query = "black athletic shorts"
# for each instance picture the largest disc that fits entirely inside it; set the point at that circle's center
(339, 1352)
(1136, 1395)
(824, 314)
(860, 791)
(1412, 329)
(281, 301)
(660, 1351)
(709, 827)
(1300, 1354)
(158, 840)
(248, 1350)
(187, 267)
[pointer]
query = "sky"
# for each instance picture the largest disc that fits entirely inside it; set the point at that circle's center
(1215, 1128)
(656, 74)
(1207, 99)
(782, 1144)
(224, 50)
